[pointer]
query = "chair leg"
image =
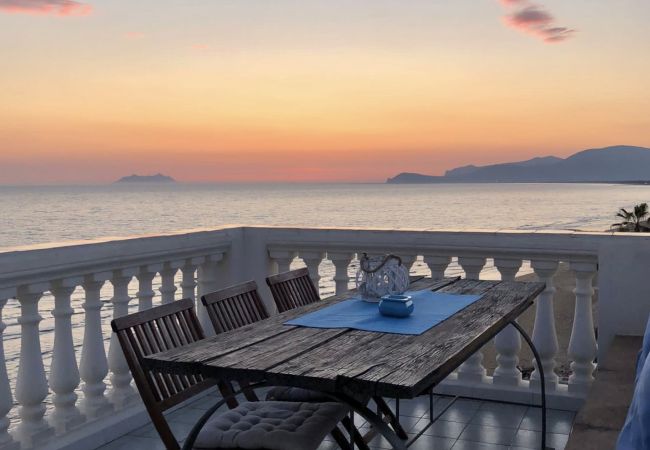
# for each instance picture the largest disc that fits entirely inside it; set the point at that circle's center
(354, 431)
(392, 419)
(340, 439)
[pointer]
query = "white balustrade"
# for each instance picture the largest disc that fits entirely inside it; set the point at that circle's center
(283, 259)
(582, 346)
(341, 261)
(168, 286)
(188, 283)
(145, 293)
(437, 264)
(508, 341)
(6, 399)
(472, 370)
(31, 384)
(207, 282)
(64, 373)
(312, 260)
(544, 334)
(122, 392)
(93, 365)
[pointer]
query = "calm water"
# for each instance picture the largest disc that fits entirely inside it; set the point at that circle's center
(39, 215)
(46, 214)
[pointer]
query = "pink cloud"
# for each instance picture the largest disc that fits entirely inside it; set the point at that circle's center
(536, 21)
(133, 35)
(45, 7)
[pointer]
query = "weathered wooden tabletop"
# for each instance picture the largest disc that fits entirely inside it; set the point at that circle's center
(353, 361)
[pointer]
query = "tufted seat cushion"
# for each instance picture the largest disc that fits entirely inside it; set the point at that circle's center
(294, 394)
(271, 426)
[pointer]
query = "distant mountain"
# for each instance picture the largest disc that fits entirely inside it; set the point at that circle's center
(158, 178)
(620, 163)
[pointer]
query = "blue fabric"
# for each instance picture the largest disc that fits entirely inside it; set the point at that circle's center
(635, 434)
(431, 308)
(645, 350)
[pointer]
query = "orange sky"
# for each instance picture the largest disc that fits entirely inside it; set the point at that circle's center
(323, 91)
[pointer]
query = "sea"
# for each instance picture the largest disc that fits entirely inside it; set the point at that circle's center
(44, 214)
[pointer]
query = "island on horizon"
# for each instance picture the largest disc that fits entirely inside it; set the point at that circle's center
(616, 164)
(157, 178)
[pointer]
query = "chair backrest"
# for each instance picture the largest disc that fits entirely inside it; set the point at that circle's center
(234, 307)
(152, 331)
(292, 289)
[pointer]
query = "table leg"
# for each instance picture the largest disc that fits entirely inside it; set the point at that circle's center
(393, 419)
(542, 383)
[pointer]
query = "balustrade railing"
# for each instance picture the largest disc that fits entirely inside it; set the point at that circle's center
(67, 376)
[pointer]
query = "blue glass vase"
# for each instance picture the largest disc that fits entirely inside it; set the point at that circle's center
(396, 305)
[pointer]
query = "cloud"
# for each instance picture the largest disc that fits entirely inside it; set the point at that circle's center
(45, 7)
(133, 35)
(535, 20)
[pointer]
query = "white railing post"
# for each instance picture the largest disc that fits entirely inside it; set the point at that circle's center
(31, 383)
(188, 283)
(122, 392)
(313, 259)
(341, 261)
(64, 372)
(437, 265)
(93, 366)
(168, 283)
(6, 399)
(408, 260)
(207, 282)
(145, 293)
(472, 370)
(283, 259)
(544, 334)
(508, 341)
(582, 345)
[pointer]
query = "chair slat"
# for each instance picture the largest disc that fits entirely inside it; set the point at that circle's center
(292, 289)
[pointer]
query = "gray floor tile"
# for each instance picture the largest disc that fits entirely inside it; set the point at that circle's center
(425, 442)
(134, 443)
(532, 439)
(469, 445)
(489, 435)
(459, 414)
(441, 428)
(559, 422)
(499, 415)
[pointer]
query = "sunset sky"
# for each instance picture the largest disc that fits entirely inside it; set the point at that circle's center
(313, 90)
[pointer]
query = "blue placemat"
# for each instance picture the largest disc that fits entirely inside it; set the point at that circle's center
(431, 308)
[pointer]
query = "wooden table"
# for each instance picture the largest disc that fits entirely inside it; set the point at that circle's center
(349, 365)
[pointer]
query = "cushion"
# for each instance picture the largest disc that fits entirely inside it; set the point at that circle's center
(294, 394)
(635, 434)
(271, 426)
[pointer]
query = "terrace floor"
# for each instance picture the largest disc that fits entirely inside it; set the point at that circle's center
(466, 425)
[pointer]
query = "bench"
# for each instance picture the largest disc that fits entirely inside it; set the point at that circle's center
(601, 418)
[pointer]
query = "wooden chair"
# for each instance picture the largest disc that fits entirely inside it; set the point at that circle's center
(240, 305)
(175, 324)
(292, 289)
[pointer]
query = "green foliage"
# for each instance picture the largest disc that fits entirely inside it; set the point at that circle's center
(633, 220)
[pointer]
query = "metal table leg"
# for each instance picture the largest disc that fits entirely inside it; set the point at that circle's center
(538, 359)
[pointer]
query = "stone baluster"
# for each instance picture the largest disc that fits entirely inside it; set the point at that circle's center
(508, 341)
(582, 345)
(472, 370)
(408, 260)
(313, 259)
(93, 366)
(283, 259)
(207, 282)
(544, 334)
(121, 393)
(6, 399)
(188, 284)
(437, 265)
(341, 261)
(31, 384)
(64, 372)
(168, 282)
(145, 293)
